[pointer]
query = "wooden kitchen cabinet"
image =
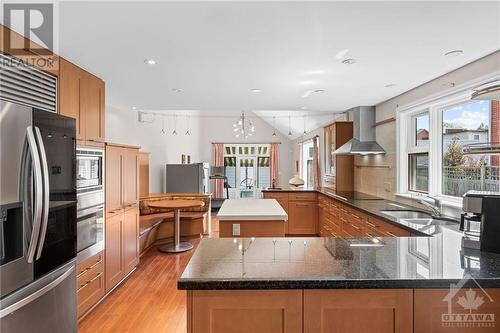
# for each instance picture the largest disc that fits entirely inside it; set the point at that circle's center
(217, 311)
(302, 218)
(435, 310)
(122, 212)
(70, 80)
(81, 96)
(360, 311)
(130, 241)
(130, 176)
(92, 104)
(339, 169)
(90, 282)
(114, 262)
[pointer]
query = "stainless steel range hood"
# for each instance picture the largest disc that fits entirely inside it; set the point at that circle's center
(363, 142)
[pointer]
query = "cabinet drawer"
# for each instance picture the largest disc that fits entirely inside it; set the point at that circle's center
(302, 196)
(89, 273)
(385, 229)
(275, 195)
(90, 293)
(89, 263)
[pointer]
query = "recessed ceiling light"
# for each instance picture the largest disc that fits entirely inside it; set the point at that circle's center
(318, 91)
(177, 90)
(150, 61)
(255, 90)
(303, 107)
(341, 54)
(134, 108)
(390, 85)
(315, 72)
(348, 61)
(454, 53)
(448, 84)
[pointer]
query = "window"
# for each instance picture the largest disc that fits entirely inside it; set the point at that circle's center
(263, 172)
(418, 179)
(307, 163)
(421, 129)
(464, 124)
(434, 158)
(246, 167)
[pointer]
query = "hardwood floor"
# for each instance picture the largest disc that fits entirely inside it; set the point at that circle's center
(149, 300)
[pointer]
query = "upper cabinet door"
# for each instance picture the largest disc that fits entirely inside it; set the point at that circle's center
(114, 162)
(70, 82)
(129, 177)
(92, 103)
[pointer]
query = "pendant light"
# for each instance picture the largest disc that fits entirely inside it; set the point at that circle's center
(175, 125)
(243, 127)
(187, 125)
(274, 125)
(162, 125)
(289, 125)
(304, 118)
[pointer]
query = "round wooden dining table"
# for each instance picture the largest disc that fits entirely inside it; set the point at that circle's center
(176, 206)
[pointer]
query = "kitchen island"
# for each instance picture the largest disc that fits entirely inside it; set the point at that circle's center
(423, 283)
(251, 218)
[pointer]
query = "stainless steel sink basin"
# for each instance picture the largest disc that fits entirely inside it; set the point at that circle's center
(407, 214)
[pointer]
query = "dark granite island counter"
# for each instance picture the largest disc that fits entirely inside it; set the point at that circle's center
(393, 284)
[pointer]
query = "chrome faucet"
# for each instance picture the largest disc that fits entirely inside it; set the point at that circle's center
(433, 204)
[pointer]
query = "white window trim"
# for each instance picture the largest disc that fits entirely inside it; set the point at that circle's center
(404, 144)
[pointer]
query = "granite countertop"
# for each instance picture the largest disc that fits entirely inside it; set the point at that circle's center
(374, 206)
(251, 210)
(434, 260)
(338, 263)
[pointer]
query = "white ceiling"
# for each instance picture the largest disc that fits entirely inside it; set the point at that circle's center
(217, 51)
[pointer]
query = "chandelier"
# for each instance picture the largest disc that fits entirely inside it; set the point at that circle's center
(243, 127)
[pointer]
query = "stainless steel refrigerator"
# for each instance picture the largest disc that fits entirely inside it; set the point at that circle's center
(37, 220)
(187, 178)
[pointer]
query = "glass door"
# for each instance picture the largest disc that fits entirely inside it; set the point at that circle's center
(247, 176)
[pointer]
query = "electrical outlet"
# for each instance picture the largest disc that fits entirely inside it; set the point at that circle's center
(236, 229)
(387, 186)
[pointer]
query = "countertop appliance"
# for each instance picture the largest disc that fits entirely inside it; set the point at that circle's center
(480, 222)
(187, 178)
(37, 220)
(90, 207)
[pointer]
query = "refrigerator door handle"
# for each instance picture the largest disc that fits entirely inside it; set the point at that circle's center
(37, 294)
(46, 192)
(36, 215)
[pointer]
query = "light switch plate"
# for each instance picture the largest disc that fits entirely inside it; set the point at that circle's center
(236, 229)
(387, 186)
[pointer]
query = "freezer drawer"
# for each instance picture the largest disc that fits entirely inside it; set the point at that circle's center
(46, 305)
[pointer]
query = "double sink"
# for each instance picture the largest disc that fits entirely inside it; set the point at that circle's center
(422, 221)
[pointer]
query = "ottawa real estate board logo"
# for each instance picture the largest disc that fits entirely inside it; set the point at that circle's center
(35, 21)
(464, 306)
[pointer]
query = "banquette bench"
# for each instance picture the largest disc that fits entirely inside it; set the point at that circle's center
(156, 225)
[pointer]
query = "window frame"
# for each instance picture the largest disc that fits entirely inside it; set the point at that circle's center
(434, 105)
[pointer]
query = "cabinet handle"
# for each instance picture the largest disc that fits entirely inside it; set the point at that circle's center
(369, 235)
(90, 267)
(88, 282)
(372, 225)
(390, 234)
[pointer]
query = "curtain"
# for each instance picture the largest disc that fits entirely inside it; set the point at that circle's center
(316, 169)
(218, 160)
(273, 164)
(298, 167)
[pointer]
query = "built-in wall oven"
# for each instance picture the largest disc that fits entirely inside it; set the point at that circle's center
(90, 208)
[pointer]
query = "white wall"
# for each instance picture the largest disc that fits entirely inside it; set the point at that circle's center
(122, 126)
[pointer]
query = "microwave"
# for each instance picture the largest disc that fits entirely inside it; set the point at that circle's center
(89, 170)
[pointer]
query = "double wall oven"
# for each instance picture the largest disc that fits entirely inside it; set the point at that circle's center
(90, 207)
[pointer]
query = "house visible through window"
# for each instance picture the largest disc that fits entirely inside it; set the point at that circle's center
(464, 124)
(435, 158)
